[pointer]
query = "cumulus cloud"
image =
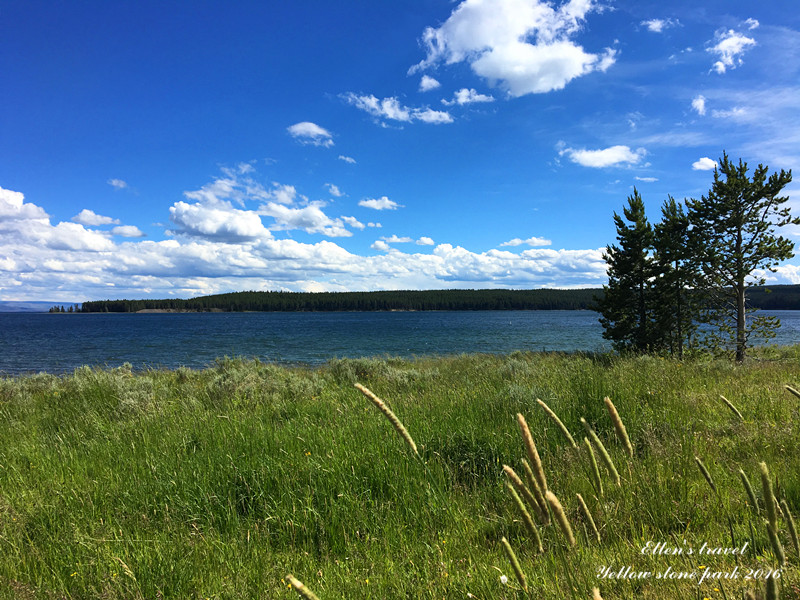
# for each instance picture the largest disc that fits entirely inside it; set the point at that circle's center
(92, 219)
(311, 133)
(467, 96)
(608, 157)
(394, 110)
(117, 183)
(532, 241)
(219, 222)
(704, 164)
(699, 104)
(395, 239)
(354, 223)
(13, 207)
(728, 46)
(425, 241)
(382, 203)
(524, 46)
(428, 83)
(659, 25)
(128, 231)
(309, 218)
(381, 246)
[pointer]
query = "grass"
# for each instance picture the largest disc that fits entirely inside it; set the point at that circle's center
(217, 483)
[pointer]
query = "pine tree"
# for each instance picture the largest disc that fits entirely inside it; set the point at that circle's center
(627, 306)
(677, 308)
(735, 227)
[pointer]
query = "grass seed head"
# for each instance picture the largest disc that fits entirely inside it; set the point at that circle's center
(769, 496)
(381, 405)
(790, 524)
(596, 594)
(526, 517)
(558, 423)
(302, 589)
(730, 405)
(705, 473)
(603, 453)
(588, 516)
(533, 453)
(777, 547)
(619, 426)
(749, 489)
(792, 390)
(598, 481)
(512, 558)
(538, 494)
(561, 516)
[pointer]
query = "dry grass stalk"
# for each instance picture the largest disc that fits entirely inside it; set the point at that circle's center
(730, 405)
(523, 490)
(792, 390)
(558, 422)
(526, 517)
(533, 454)
(777, 547)
(619, 426)
(561, 516)
(598, 481)
(512, 558)
(588, 516)
(790, 524)
(603, 453)
(750, 493)
(543, 513)
(596, 594)
(769, 496)
(705, 473)
(301, 589)
(381, 405)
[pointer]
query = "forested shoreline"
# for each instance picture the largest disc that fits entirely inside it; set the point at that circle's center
(780, 297)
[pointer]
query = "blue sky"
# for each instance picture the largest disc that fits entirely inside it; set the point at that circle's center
(157, 149)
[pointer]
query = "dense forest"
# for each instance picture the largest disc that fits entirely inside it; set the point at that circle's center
(774, 298)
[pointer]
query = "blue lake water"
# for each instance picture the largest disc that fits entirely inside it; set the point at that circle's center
(56, 343)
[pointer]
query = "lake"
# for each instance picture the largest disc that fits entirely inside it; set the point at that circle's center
(59, 343)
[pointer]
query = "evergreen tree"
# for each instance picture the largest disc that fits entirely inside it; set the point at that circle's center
(677, 306)
(735, 227)
(626, 306)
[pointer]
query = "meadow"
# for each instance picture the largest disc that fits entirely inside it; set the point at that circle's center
(219, 483)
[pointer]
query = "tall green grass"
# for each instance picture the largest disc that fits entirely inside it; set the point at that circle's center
(216, 483)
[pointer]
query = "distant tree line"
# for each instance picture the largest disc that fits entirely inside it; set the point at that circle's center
(689, 280)
(543, 299)
(781, 297)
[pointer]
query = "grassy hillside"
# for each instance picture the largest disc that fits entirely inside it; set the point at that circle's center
(219, 483)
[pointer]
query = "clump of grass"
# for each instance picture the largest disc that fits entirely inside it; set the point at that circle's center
(533, 453)
(396, 423)
(706, 474)
(603, 453)
(301, 589)
(619, 426)
(560, 516)
(730, 405)
(512, 558)
(558, 422)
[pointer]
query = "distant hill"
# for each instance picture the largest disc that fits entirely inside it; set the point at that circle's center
(25, 306)
(778, 297)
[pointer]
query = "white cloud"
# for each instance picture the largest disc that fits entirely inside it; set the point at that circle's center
(392, 109)
(608, 157)
(751, 24)
(354, 223)
(382, 203)
(699, 104)
(522, 45)
(311, 133)
(117, 183)
(334, 190)
(310, 219)
(659, 25)
(347, 159)
(728, 46)
(128, 231)
(92, 219)
(380, 246)
(394, 239)
(281, 193)
(467, 96)
(428, 83)
(219, 221)
(13, 207)
(532, 241)
(425, 241)
(647, 179)
(704, 164)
